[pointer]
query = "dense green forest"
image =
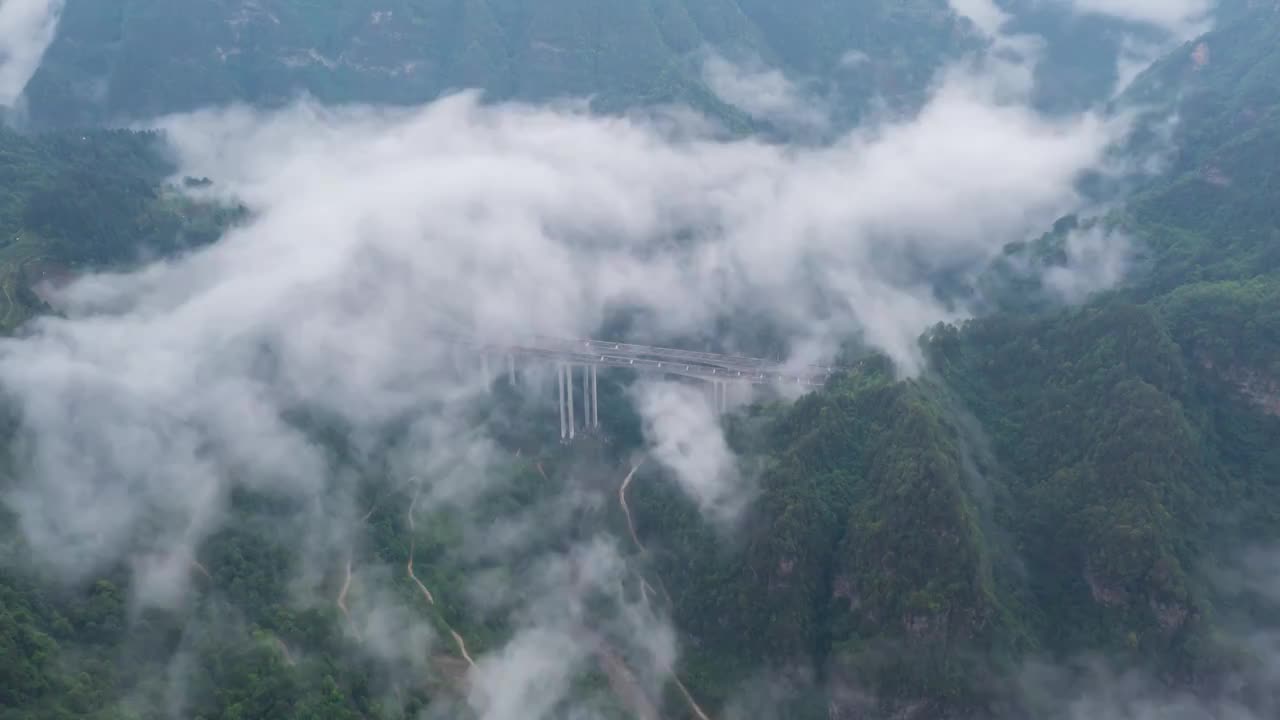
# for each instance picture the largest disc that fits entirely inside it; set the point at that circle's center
(139, 58)
(135, 59)
(89, 199)
(1061, 482)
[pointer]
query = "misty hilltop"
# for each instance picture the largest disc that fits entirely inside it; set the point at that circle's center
(682, 359)
(131, 60)
(142, 58)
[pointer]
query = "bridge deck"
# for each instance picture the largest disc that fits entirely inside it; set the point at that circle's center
(688, 363)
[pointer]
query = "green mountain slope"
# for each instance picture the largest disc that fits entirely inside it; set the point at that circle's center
(1060, 482)
(141, 58)
(92, 198)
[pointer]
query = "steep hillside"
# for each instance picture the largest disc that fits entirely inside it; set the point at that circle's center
(1060, 482)
(141, 58)
(92, 198)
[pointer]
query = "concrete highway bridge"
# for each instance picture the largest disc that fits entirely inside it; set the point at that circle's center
(720, 372)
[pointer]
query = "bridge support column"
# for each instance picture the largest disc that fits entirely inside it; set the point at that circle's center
(595, 399)
(586, 397)
(560, 380)
(720, 396)
(484, 369)
(511, 369)
(568, 388)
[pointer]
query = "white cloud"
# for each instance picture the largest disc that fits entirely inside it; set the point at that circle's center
(766, 94)
(1097, 259)
(528, 677)
(984, 14)
(26, 29)
(561, 631)
(684, 433)
(1178, 20)
(854, 58)
(1010, 60)
(374, 229)
(1183, 18)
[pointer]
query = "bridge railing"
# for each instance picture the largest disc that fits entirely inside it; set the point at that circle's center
(686, 369)
(689, 363)
(732, 362)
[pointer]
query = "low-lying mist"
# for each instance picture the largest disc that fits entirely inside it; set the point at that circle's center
(157, 394)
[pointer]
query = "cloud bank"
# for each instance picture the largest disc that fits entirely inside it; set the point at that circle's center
(766, 94)
(684, 433)
(26, 29)
(1182, 18)
(1097, 258)
(374, 232)
(986, 15)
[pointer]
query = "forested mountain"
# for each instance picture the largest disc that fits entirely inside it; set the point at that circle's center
(140, 58)
(135, 59)
(89, 199)
(1078, 486)
(1061, 481)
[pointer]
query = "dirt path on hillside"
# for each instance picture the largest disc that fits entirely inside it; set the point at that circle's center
(431, 600)
(280, 644)
(693, 705)
(623, 682)
(622, 500)
(342, 601)
(626, 510)
(462, 647)
(284, 649)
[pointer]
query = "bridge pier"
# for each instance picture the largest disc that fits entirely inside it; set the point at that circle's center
(511, 369)
(595, 400)
(586, 397)
(568, 384)
(719, 396)
(568, 407)
(560, 367)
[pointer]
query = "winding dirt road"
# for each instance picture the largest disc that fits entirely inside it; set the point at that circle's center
(431, 600)
(623, 682)
(622, 500)
(689, 699)
(626, 510)
(288, 657)
(462, 647)
(342, 601)
(280, 644)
